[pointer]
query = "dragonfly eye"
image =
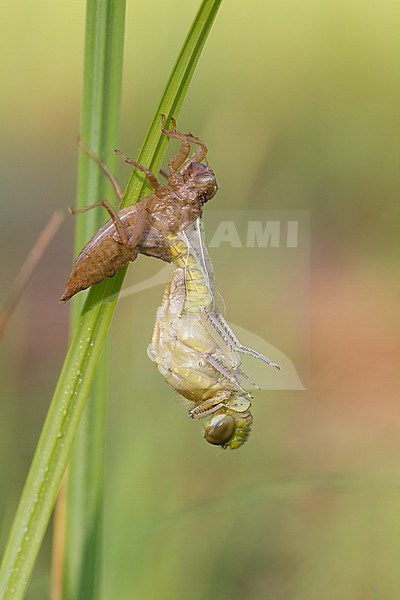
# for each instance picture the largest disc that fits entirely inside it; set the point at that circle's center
(203, 179)
(219, 429)
(206, 185)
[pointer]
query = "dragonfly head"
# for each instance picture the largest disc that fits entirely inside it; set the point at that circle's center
(228, 429)
(204, 181)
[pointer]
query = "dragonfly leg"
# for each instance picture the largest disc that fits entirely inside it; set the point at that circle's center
(250, 352)
(216, 331)
(217, 326)
(209, 406)
(225, 342)
(103, 167)
(199, 155)
(181, 158)
(243, 374)
(114, 216)
(243, 349)
(136, 230)
(158, 187)
(225, 372)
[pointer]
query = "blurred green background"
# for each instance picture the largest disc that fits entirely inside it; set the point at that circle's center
(298, 105)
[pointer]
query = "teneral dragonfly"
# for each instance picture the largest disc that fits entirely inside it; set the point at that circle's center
(196, 350)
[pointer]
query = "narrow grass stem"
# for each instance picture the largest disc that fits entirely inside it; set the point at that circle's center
(76, 559)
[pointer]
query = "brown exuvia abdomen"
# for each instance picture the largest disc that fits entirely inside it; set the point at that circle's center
(103, 261)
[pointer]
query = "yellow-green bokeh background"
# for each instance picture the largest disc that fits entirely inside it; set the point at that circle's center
(298, 104)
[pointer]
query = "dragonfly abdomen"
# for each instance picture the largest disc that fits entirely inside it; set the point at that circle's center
(197, 285)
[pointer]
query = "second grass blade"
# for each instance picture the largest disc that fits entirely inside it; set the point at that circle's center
(80, 556)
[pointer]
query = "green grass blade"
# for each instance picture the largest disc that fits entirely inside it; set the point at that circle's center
(77, 374)
(155, 144)
(79, 560)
